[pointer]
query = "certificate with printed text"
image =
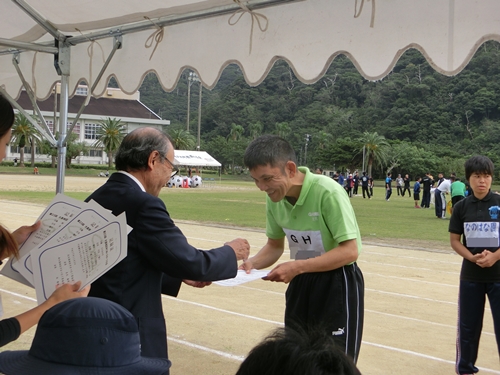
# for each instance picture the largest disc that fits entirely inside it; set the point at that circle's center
(76, 241)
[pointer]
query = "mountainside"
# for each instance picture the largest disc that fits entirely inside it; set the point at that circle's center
(431, 121)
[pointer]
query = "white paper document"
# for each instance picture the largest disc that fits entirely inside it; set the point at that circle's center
(77, 241)
(243, 277)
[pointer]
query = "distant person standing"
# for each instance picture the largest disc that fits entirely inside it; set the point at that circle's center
(416, 192)
(388, 186)
(399, 185)
(364, 185)
(319, 171)
(406, 181)
(427, 182)
(443, 188)
(349, 184)
(440, 179)
(370, 184)
(340, 180)
(458, 191)
(355, 179)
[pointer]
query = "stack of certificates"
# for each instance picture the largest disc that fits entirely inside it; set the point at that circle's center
(76, 241)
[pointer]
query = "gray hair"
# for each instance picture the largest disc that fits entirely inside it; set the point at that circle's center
(134, 151)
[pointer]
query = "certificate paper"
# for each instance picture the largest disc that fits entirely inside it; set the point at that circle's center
(243, 277)
(77, 241)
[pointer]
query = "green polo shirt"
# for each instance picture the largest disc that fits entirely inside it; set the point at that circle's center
(458, 188)
(321, 218)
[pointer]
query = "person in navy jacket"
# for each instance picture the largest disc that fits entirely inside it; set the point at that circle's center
(159, 257)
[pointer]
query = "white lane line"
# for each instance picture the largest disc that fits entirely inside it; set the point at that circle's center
(421, 355)
(410, 257)
(17, 294)
(386, 347)
(409, 279)
(239, 358)
(411, 296)
(453, 327)
(407, 267)
(222, 310)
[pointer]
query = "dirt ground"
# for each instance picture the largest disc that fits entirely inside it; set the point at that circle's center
(410, 303)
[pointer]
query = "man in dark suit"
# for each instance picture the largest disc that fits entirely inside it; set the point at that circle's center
(159, 257)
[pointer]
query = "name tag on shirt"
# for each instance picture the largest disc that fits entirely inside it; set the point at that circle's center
(482, 234)
(304, 244)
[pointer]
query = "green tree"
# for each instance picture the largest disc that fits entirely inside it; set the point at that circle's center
(282, 129)
(74, 149)
(236, 132)
(23, 133)
(256, 129)
(109, 136)
(376, 148)
(182, 139)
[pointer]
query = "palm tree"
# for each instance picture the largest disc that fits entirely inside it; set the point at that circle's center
(236, 132)
(376, 147)
(282, 129)
(109, 135)
(256, 129)
(182, 139)
(23, 132)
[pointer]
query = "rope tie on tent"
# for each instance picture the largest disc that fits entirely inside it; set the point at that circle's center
(255, 17)
(357, 14)
(90, 52)
(156, 37)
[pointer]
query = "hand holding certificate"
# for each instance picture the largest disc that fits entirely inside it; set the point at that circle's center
(76, 241)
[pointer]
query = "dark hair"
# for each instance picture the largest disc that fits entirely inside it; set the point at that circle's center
(8, 245)
(293, 352)
(478, 164)
(269, 149)
(134, 151)
(6, 116)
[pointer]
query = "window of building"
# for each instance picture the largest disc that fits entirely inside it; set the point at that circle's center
(82, 90)
(91, 131)
(76, 129)
(95, 153)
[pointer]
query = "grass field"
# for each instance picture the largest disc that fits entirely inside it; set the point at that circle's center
(240, 203)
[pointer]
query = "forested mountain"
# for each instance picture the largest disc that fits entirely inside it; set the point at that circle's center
(431, 122)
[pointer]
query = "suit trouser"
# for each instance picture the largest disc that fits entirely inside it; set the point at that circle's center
(409, 192)
(331, 301)
(426, 199)
(471, 301)
(440, 203)
(365, 189)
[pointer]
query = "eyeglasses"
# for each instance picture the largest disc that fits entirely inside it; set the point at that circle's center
(175, 170)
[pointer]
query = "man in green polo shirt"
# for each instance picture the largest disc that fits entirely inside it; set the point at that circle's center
(315, 215)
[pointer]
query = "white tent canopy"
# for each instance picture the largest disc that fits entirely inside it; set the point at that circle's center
(308, 34)
(194, 159)
(93, 39)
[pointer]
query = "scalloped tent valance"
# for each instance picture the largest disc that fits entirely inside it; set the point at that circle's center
(206, 35)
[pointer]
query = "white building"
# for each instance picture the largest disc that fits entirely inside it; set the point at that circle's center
(116, 104)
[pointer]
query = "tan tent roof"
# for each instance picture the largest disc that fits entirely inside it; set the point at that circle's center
(206, 35)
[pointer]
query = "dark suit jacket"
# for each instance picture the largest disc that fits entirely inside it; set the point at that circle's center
(158, 258)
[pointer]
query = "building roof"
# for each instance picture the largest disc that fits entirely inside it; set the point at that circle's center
(106, 107)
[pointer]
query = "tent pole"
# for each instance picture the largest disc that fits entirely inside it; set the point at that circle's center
(61, 146)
